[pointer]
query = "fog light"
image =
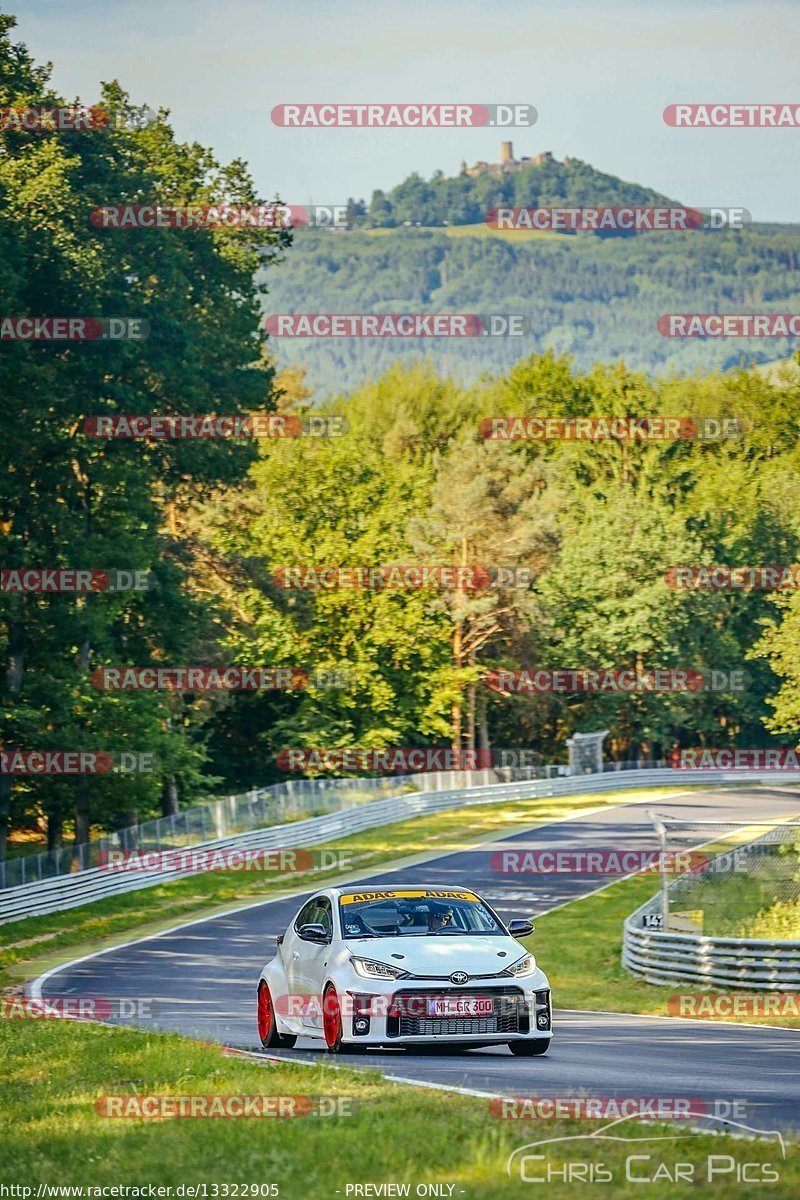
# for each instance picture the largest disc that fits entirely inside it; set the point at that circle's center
(541, 1020)
(361, 1025)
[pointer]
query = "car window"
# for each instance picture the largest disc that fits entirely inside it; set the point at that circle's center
(412, 912)
(306, 914)
(323, 915)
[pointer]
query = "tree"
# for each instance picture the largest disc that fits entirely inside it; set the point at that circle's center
(68, 499)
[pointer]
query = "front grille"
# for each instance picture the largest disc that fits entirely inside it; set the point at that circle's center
(406, 1017)
(437, 1026)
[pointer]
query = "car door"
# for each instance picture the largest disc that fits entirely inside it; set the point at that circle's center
(293, 951)
(312, 961)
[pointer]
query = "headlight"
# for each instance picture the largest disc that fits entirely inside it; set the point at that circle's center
(377, 970)
(525, 966)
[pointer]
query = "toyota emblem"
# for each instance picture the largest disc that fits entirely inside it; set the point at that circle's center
(459, 977)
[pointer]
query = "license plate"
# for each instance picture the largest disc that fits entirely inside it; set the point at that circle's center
(460, 1006)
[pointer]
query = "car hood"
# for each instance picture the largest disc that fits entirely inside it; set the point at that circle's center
(441, 954)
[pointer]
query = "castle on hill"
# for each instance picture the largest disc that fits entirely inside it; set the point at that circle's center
(507, 163)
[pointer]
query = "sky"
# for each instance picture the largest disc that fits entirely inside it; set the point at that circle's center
(599, 74)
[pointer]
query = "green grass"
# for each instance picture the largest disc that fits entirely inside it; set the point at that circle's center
(750, 905)
(55, 1071)
(34, 944)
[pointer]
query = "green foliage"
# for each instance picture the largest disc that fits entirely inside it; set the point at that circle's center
(599, 524)
(70, 500)
(465, 199)
(593, 298)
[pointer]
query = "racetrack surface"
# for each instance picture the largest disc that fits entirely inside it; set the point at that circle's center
(202, 979)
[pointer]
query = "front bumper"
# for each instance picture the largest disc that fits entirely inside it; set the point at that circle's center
(403, 1016)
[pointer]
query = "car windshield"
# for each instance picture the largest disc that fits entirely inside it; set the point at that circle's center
(415, 913)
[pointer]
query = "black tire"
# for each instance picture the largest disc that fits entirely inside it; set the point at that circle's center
(529, 1047)
(267, 1026)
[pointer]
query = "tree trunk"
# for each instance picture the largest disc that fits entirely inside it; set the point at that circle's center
(456, 709)
(82, 817)
(483, 722)
(130, 822)
(14, 674)
(169, 796)
(471, 699)
(82, 802)
(458, 655)
(55, 830)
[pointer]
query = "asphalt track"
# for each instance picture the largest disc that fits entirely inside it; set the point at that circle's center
(202, 977)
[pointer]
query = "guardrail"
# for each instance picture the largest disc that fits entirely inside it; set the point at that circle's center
(667, 957)
(275, 804)
(85, 887)
(222, 818)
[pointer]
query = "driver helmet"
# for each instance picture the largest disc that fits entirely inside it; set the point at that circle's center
(439, 916)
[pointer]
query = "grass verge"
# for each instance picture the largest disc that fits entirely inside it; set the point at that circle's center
(55, 1071)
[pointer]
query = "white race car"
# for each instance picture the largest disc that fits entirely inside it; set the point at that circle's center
(400, 966)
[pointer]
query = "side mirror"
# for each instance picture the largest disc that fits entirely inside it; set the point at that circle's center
(520, 928)
(313, 933)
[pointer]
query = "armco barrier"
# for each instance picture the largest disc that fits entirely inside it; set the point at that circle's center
(666, 957)
(84, 887)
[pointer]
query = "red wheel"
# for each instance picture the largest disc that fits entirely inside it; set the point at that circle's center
(267, 1025)
(265, 1014)
(332, 1020)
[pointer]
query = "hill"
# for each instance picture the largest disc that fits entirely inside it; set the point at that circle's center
(596, 298)
(465, 199)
